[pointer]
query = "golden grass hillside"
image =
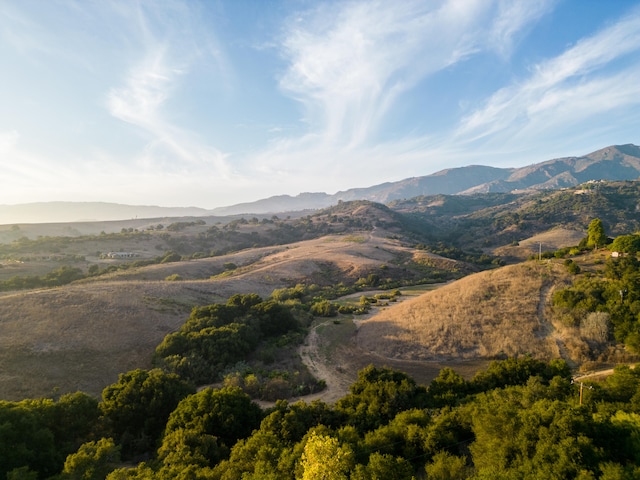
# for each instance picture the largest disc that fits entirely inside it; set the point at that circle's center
(485, 315)
(81, 336)
(550, 240)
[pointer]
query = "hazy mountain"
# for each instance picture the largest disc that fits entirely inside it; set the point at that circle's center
(618, 162)
(55, 212)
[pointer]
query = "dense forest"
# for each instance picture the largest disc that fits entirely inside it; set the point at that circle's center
(518, 419)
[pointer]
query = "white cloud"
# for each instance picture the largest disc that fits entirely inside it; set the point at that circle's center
(579, 83)
(350, 62)
(347, 66)
(512, 18)
(149, 86)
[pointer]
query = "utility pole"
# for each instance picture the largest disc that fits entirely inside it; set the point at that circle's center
(581, 385)
(581, 388)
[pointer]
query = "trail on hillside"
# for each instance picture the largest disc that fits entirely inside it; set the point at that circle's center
(338, 365)
(337, 382)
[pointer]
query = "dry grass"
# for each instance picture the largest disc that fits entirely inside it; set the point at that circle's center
(485, 315)
(551, 240)
(81, 336)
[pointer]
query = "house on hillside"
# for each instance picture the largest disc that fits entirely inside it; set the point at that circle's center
(118, 255)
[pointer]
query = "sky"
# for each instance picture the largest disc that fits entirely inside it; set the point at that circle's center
(213, 103)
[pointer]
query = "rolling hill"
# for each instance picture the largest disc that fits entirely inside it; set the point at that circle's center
(492, 314)
(83, 334)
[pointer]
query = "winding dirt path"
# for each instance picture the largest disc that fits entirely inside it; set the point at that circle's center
(336, 380)
(340, 370)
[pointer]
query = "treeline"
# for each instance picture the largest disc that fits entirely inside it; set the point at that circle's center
(614, 294)
(472, 256)
(242, 343)
(520, 418)
(66, 274)
(60, 276)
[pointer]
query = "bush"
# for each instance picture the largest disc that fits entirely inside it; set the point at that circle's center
(324, 308)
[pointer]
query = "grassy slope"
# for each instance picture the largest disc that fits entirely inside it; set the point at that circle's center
(488, 314)
(83, 335)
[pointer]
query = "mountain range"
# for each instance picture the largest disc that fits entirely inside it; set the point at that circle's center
(616, 162)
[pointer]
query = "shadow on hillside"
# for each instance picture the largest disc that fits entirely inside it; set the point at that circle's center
(381, 343)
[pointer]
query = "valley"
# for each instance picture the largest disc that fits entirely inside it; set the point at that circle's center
(73, 318)
(203, 344)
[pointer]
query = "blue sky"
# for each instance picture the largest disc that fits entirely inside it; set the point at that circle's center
(212, 103)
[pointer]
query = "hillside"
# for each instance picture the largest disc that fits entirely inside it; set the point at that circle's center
(494, 220)
(82, 335)
(78, 317)
(493, 314)
(488, 315)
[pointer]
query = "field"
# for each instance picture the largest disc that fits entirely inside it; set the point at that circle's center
(80, 336)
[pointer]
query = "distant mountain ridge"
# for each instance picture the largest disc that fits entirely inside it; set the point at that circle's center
(616, 162)
(58, 212)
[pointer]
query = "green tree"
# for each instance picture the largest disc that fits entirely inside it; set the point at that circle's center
(205, 425)
(92, 461)
(138, 406)
(447, 388)
(378, 395)
(404, 436)
(22, 473)
(73, 419)
(384, 467)
(325, 459)
(184, 447)
(626, 243)
(25, 440)
(258, 454)
(324, 308)
(445, 466)
(596, 236)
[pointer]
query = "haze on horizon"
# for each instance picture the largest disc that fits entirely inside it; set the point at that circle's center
(212, 103)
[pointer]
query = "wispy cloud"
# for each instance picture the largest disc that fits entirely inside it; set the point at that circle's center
(512, 20)
(350, 62)
(588, 79)
(150, 83)
(147, 88)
